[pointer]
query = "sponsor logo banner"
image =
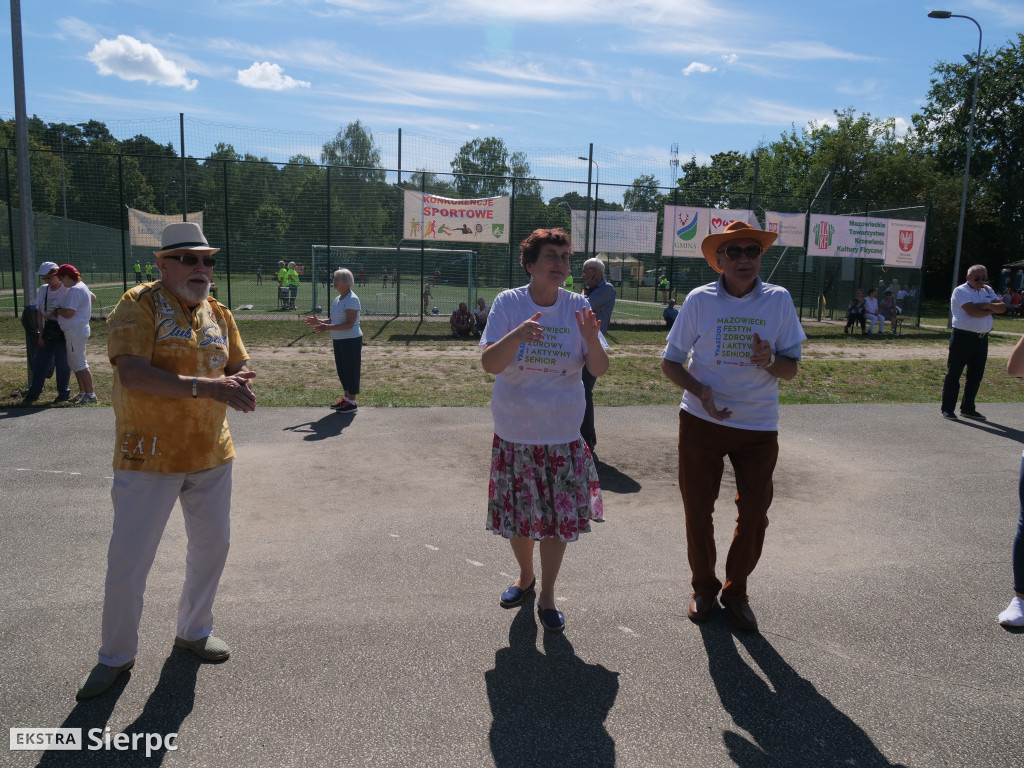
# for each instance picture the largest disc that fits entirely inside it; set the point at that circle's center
(720, 218)
(791, 228)
(684, 230)
(477, 220)
(617, 231)
(855, 237)
(904, 245)
(144, 229)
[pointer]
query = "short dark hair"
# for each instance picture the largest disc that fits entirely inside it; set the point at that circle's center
(529, 249)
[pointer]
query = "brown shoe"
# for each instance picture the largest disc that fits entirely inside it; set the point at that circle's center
(700, 607)
(741, 615)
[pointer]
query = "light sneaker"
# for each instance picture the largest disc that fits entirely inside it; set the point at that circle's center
(77, 398)
(206, 648)
(100, 679)
(1013, 616)
(89, 398)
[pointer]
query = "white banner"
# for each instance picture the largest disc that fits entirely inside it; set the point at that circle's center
(478, 220)
(853, 237)
(684, 230)
(617, 231)
(904, 246)
(791, 227)
(720, 218)
(144, 229)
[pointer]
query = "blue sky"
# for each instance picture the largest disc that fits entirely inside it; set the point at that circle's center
(632, 76)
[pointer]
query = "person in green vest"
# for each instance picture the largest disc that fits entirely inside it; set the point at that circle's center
(664, 286)
(138, 272)
(291, 279)
(149, 272)
(568, 282)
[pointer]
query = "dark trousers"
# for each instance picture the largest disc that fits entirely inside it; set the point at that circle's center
(966, 349)
(587, 431)
(56, 353)
(703, 446)
(348, 359)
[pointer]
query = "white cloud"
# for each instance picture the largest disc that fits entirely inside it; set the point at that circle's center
(729, 58)
(70, 27)
(698, 66)
(131, 59)
(268, 77)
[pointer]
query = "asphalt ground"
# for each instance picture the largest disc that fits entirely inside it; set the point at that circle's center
(361, 601)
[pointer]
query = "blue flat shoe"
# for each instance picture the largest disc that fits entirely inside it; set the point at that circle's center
(514, 596)
(551, 619)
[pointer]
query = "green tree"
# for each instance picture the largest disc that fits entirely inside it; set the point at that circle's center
(482, 168)
(354, 150)
(995, 216)
(644, 195)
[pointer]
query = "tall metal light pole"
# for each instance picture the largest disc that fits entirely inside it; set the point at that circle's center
(597, 191)
(970, 144)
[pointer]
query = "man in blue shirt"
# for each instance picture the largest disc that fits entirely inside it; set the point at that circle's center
(601, 295)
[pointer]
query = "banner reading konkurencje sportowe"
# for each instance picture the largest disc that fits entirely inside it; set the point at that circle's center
(476, 220)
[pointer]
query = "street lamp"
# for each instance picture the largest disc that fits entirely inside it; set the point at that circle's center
(597, 191)
(970, 142)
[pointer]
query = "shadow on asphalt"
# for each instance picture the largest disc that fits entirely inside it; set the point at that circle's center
(994, 428)
(788, 721)
(166, 709)
(329, 426)
(613, 480)
(549, 708)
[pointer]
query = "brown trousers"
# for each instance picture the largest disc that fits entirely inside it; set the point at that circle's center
(702, 448)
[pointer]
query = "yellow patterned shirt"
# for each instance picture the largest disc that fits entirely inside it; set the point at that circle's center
(160, 434)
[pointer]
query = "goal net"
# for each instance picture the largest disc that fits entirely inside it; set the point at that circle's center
(397, 281)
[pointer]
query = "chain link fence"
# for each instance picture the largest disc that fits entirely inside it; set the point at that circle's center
(324, 217)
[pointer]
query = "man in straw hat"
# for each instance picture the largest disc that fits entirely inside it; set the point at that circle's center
(742, 336)
(179, 363)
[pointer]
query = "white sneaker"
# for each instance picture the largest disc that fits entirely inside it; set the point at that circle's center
(89, 398)
(1013, 616)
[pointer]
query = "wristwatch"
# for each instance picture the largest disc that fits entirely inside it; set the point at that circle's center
(771, 361)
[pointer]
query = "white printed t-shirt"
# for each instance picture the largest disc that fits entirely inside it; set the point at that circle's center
(538, 399)
(339, 316)
(717, 329)
(965, 294)
(78, 298)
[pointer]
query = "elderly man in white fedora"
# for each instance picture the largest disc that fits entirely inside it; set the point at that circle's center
(741, 336)
(179, 364)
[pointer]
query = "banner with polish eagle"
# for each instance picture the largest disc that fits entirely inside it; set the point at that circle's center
(904, 243)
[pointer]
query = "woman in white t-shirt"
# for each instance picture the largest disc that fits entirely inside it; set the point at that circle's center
(73, 318)
(543, 484)
(346, 337)
(480, 314)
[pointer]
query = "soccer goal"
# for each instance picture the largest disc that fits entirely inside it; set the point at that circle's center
(397, 281)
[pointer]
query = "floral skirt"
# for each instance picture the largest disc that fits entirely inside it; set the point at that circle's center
(542, 491)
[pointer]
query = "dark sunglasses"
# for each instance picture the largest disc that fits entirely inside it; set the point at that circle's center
(190, 261)
(734, 251)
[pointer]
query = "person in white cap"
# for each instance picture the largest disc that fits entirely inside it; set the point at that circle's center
(741, 336)
(51, 349)
(179, 363)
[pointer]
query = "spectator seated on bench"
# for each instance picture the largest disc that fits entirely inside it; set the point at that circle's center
(855, 313)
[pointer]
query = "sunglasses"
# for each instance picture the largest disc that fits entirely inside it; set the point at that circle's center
(734, 251)
(190, 261)
(981, 279)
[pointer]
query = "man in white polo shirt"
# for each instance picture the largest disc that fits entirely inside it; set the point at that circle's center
(741, 336)
(973, 305)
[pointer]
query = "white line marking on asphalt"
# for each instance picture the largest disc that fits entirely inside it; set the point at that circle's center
(394, 536)
(627, 630)
(474, 562)
(432, 547)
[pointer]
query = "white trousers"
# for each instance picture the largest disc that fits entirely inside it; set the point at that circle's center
(875, 320)
(142, 505)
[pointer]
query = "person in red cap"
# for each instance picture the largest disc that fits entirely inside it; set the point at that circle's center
(73, 318)
(52, 347)
(741, 336)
